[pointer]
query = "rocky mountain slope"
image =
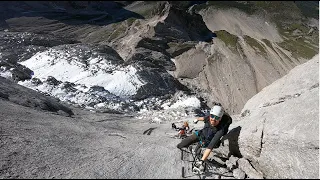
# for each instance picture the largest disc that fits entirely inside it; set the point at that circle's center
(252, 49)
(266, 141)
(224, 52)
(139, 66)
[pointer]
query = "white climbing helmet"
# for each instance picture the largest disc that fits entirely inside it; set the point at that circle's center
(217, 110)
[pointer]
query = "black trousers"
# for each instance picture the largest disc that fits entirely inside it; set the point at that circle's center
(186, 142)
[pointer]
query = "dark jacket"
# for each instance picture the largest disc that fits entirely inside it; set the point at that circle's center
(211, 135)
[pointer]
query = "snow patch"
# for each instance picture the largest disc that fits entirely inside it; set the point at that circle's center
(184, 102)
(6, 74)
(121, 81)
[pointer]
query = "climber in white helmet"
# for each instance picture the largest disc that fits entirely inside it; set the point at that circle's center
(216, 124)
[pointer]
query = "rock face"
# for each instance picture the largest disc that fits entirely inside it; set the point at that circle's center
(249, 52)
(279, 126)
(181, 25)
(30, 98)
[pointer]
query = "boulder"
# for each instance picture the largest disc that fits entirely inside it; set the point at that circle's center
(157, 83)
(238, 174)
(245, 166)
(232, 162)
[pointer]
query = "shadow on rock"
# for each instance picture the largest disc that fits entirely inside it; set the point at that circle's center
(211, 175)
(214, 163)
(72, 13)
(148, 131)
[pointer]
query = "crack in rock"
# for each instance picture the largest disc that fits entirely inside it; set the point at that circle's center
(261, 142)
(281, 99)
(314, 86)
(116, 134)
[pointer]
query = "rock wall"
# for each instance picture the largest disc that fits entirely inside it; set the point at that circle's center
(278, 129)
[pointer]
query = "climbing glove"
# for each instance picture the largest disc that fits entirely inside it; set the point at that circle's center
(198, 167)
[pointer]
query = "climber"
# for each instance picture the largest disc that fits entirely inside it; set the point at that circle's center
(216, 124)
(182, 130)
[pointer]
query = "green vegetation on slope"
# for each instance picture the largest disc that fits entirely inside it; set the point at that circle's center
(130, 21)
(229, 39)
(255, 44)
(298, 48)
(148, 9)
(268, 43)
(176, 49)
(241, 5)
(289, 17)
(184, 45)
(277, 9)
(309, 8)
(119, 29)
